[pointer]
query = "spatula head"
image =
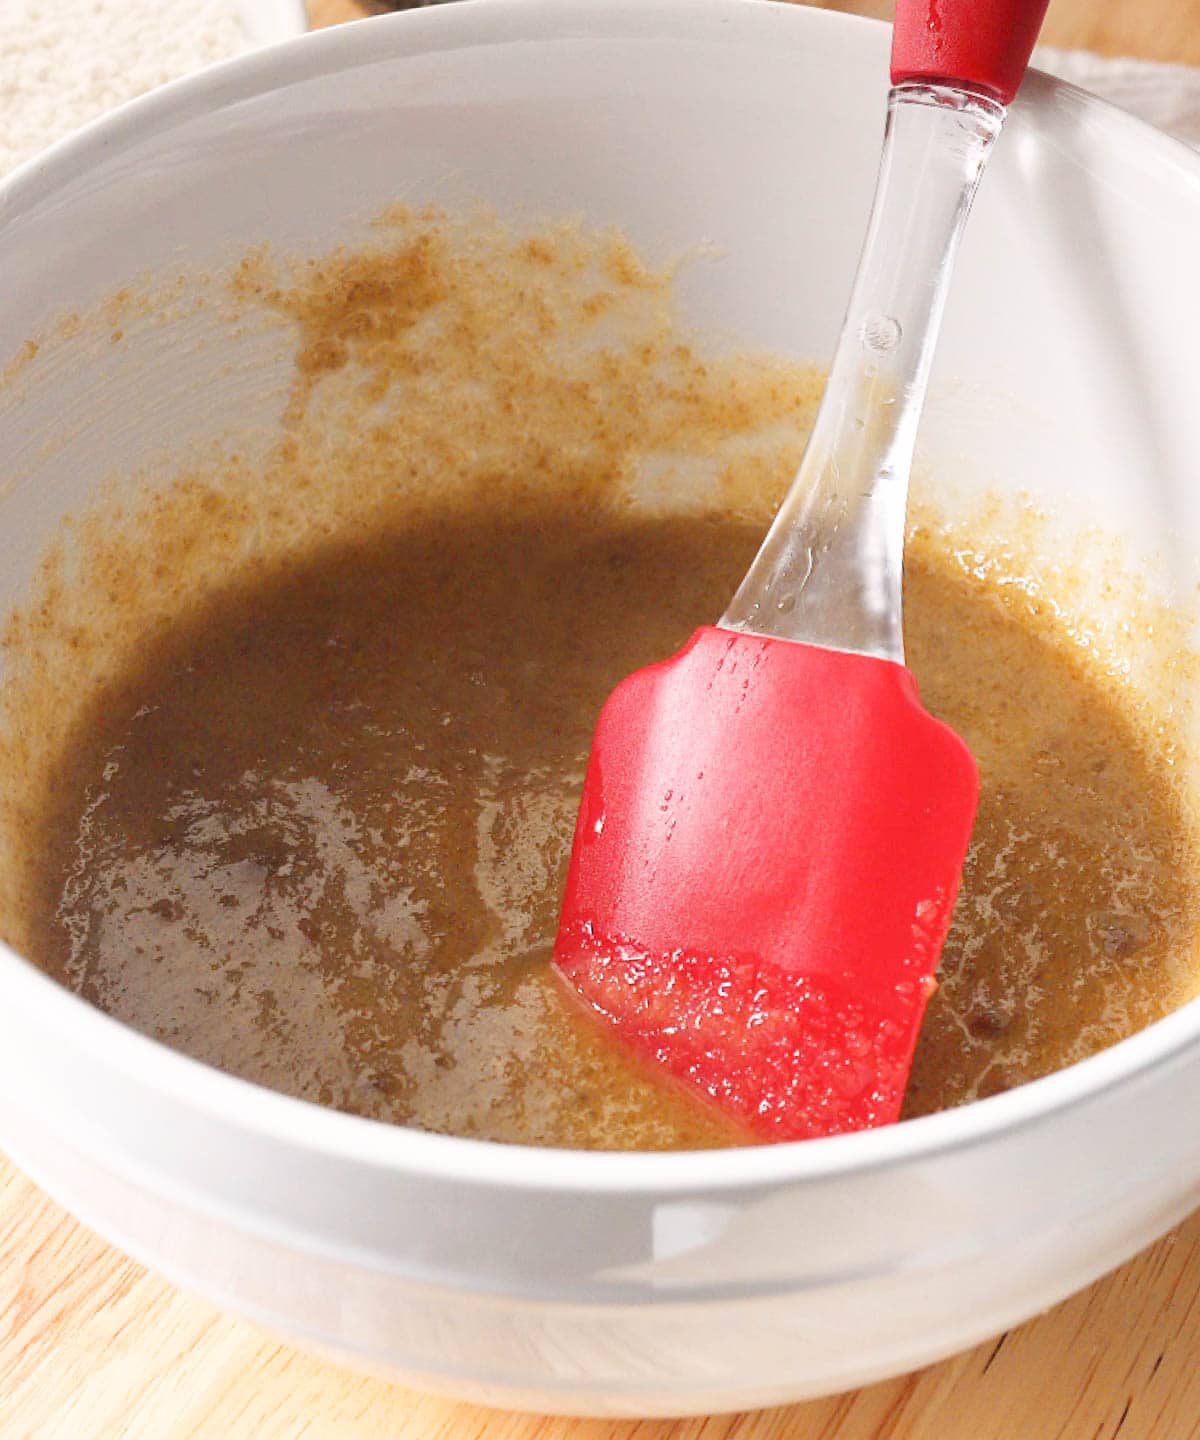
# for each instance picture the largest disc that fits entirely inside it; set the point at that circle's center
(765, 866)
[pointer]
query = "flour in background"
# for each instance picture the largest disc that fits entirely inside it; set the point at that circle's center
(64, 62)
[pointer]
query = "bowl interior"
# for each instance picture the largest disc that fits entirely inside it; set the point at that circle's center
(744, 134)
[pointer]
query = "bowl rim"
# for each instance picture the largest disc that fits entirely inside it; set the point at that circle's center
(253, 1108)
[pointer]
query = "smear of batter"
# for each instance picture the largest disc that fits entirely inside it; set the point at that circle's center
(313, 826)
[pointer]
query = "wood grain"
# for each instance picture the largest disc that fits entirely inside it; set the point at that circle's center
(93, 1347)
(1153, 29)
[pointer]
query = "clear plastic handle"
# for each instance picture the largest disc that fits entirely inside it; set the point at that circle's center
(830, 570)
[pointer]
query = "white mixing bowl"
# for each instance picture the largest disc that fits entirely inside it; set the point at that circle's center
(633, 1283)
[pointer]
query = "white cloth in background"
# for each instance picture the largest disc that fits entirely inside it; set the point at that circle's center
(1164, 95)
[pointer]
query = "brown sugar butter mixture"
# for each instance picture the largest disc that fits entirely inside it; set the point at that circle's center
(314, 829)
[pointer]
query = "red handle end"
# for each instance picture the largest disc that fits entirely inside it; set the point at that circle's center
(982, 44)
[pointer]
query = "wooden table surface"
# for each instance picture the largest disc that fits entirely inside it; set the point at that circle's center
(93, 1347)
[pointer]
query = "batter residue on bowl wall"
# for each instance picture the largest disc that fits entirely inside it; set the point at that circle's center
(311, 819)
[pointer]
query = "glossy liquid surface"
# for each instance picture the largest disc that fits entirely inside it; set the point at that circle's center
(317, 835)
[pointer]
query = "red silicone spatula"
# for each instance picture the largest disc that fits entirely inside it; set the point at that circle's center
(773, 829)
